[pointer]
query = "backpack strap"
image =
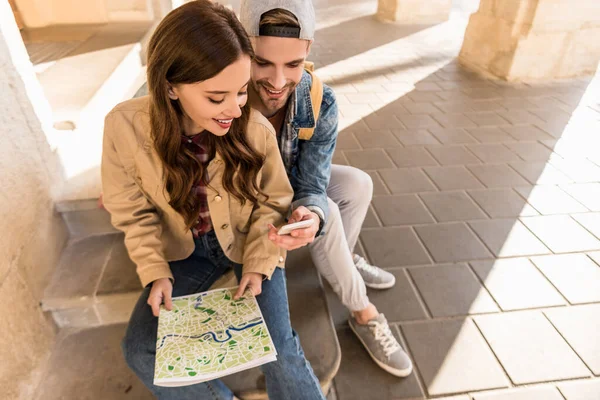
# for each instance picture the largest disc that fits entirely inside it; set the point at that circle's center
(316, 98)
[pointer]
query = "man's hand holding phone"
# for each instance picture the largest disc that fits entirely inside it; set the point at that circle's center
(292, 236)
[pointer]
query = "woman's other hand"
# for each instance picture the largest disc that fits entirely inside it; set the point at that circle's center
(252, 281)
(160, 293)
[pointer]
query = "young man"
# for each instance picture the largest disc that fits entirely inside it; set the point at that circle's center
(336, 197)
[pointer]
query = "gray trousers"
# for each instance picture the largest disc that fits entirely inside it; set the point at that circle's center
(349, 193)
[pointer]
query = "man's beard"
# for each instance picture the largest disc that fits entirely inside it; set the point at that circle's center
(273, 104)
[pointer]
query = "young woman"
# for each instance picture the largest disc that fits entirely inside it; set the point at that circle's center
(193, 178)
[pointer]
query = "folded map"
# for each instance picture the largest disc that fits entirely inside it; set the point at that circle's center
(209, 335)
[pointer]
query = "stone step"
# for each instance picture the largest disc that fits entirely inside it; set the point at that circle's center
(84, 218)
(89, 361)
(95, 285)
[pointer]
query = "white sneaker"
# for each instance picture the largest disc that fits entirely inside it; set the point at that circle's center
(374, 277)
(382, 346)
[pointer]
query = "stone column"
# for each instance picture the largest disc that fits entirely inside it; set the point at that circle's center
(413, 11)
(33, 234)
(533, 39)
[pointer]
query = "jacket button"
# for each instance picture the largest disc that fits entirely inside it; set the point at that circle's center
(224, 226)
(218, 198)
(280, 259)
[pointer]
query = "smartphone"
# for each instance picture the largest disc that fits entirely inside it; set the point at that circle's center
(287, 229)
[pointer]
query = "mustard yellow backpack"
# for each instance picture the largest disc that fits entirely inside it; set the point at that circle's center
(316, 97)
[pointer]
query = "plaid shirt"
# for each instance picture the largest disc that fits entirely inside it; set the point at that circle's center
(197, 146)
(287, 137)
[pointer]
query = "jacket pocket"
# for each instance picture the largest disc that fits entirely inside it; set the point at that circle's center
(242, 215)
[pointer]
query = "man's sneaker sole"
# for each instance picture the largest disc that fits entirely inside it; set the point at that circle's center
(401, 373)
(381, 285)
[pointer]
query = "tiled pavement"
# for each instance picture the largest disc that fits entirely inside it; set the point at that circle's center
(485, 208)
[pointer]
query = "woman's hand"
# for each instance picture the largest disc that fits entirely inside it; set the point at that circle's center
(252, 281)
(160, 293)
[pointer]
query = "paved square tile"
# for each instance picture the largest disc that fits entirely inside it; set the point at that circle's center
(540, 173)
(452, 155)
(550, 200)
(526, 133)
(486, 118)
(452, 178)
(493, 153)
(497, 175)
(452, 206)
(347, 141)
(411, 157)
(561, 233)
(378, 185)
(575, 275)
(423, 97)
(399, 303)
(427, 87)
(487, 105)
(580, 326)
(516, 284)
(401, 210)
(530, 151)
(535, 393)
(339, 158)
(362, 98)
(519, 117)
(508, 238)
(393, 247)
(449, 136)
(377, 139)
(490, 135)
(450, 290)
(369, 159)
(595, 255)
(407, 180)
(420, 121)
(453, 106)
(581, 171)
(453, 120)
(421, 108)
(440, 349)
(452, 242)
(354, 110)
(587, 194)
(368, 381)
(499, 203)
(370, 219)
(522, 340)
(415, 137)
(590, 221)
(581, 390)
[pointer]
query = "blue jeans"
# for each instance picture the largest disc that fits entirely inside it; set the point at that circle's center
(289, 378)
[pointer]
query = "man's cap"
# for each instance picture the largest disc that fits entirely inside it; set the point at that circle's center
(253, 10)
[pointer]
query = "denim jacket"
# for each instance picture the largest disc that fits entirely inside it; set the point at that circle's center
(308, 162)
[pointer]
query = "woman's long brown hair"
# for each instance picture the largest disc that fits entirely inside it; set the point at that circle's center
(194, 43)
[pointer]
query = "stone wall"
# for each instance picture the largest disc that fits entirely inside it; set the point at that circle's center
(413, 11)
(33, 235)
(533, 39)
(40, 13)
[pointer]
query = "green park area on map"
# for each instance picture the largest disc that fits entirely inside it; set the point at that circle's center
(209, 335)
